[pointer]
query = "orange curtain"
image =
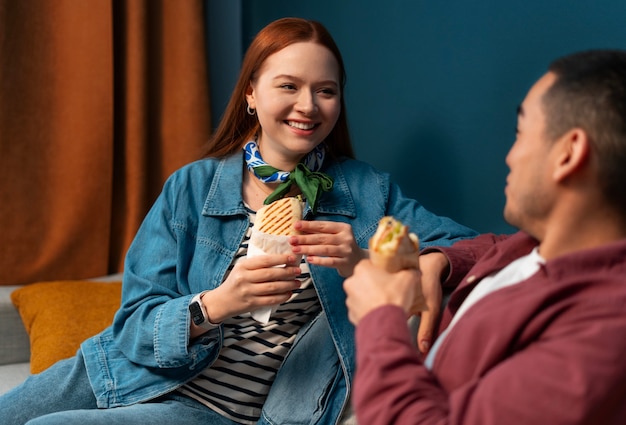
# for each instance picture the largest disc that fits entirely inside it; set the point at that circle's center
(100, 101)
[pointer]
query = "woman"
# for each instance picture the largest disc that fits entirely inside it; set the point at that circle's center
(286, 113)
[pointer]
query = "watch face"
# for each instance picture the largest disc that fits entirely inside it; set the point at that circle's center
(196, 313)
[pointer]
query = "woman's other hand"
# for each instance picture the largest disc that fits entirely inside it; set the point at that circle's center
(328, 244)
(254, 282)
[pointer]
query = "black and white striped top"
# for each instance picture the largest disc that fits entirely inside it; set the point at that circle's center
(237, 384)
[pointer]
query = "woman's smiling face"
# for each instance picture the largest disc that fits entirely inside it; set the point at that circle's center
(297, 97)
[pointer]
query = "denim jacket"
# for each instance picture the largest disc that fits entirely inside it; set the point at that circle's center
(185, 245)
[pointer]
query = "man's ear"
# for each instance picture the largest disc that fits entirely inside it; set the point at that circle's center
(573, 153)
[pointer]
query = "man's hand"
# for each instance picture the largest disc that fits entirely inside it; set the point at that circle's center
(370, 287)
(434, 266)
(416, 292)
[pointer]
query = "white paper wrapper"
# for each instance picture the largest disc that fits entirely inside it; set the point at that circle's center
(262, 243)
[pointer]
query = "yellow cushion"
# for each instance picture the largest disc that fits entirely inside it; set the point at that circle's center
(58, 316)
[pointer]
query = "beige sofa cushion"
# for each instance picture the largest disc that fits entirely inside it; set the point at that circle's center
(14, 345)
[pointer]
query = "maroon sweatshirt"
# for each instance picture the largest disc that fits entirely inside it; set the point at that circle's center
(549, 350)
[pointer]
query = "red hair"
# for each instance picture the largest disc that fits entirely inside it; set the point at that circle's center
(237, 126)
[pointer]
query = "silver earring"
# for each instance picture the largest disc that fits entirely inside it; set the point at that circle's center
(251, 111)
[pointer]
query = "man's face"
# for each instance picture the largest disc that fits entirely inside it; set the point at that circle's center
(529, 190)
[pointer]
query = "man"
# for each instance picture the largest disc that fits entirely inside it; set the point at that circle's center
(535, 332)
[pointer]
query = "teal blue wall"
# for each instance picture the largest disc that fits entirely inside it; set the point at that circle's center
(433, 86)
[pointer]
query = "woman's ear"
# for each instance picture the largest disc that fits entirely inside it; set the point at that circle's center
(573, 153)
(250, 96)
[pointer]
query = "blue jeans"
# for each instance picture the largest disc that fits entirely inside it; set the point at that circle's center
(61, 395)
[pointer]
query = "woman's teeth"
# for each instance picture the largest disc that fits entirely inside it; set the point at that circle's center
(301, 125)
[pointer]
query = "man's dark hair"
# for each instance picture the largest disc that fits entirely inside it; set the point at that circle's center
(590, 93)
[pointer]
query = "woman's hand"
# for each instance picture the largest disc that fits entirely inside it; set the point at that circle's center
(328, 244)
(252, 283)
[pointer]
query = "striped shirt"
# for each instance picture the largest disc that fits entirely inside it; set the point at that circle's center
(238, 382)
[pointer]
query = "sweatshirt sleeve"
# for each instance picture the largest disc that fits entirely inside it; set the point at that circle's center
(390, 376)
(464, 254)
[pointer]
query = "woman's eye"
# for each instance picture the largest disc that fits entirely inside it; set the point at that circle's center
(288, 86)
(328, 91)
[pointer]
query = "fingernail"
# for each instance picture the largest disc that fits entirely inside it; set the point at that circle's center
(425, 344)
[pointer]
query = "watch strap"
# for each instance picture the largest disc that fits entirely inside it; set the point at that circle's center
(198, 313)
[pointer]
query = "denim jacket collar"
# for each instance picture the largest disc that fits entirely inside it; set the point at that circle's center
(229, 173)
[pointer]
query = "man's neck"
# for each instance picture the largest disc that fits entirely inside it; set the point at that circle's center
(585, 230)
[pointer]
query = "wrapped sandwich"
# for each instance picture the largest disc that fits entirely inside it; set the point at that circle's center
(273, 225)
(394, 248)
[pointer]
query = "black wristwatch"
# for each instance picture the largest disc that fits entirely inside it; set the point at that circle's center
(198, 313)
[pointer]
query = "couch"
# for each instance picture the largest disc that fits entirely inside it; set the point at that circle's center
(41, 329)
(14, 345)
